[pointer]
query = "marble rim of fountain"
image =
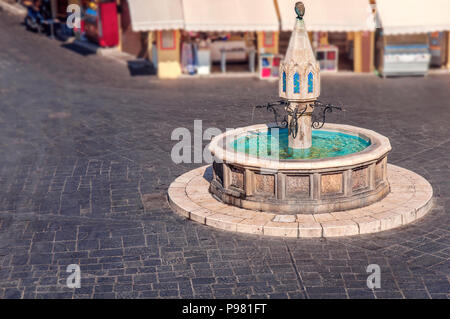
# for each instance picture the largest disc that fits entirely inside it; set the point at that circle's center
(378, 148)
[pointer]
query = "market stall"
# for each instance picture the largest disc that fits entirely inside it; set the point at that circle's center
(412, 32)
(227, 34)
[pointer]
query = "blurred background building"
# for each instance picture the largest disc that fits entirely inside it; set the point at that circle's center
(249, 37)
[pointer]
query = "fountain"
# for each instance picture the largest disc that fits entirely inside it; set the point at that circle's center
(301, 177)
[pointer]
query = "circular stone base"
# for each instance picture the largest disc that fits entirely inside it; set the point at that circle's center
(411, 197)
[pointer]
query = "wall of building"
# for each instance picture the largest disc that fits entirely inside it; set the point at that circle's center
(169, 59)
(267, 48)
(448, 49)
(134, 43)
(364, 46)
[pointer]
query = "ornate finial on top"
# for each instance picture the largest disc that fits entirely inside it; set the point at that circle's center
(300, 10)
(299, 71)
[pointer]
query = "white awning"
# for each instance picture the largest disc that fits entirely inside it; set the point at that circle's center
(230, 15)
(329, 15)
(150, 15)
(413, 16)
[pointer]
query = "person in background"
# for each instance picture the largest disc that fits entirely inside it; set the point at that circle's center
(33, 4)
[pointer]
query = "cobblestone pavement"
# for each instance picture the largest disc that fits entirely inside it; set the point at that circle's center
(85, 164)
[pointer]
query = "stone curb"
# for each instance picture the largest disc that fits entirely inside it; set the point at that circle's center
(411, 197)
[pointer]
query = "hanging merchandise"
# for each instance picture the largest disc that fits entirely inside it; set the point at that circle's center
(185, 52)
(101, 25)
(195, 55)
(188, 58)
(190, 65)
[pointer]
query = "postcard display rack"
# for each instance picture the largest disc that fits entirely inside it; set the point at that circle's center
(327, 56)
(269, 66)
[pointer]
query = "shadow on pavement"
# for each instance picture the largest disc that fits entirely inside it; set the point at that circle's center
(141, 67)
(77, 49)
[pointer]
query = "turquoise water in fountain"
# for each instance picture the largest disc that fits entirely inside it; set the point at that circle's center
(325, 144)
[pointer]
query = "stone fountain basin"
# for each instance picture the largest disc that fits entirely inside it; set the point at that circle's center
(304, 185)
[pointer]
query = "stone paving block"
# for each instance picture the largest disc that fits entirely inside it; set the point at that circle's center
(323, 217)
(199, 181)
(408, 214)
(285, 218)
(212, 204)
(388, 220)
(281, 229)
(205, 196)
(198, 197)
(341, 215)
(177, 185)
(359, 212)
(253, 225)
(222, 221)
(367, 224)
(334, 228)
(177, 192)
(421, 211)
(194, 187)
(238, 212)
(199, 215)
(178, 204)
(305, 218)
(309, 229)
(184, 179)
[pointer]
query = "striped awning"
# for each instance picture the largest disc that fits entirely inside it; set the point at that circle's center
(413, 16)
(230, 15)
(329, 15)
(150, 15)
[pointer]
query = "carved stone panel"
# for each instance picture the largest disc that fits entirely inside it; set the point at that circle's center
(237, 177)
(297, 186)
(360, 178)
(331, 184)
(265, 184)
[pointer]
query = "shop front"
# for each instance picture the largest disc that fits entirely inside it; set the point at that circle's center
(202, 37)
(229, 36)
(341, 32)
(152, 29)
(414, 36)
(204, 53)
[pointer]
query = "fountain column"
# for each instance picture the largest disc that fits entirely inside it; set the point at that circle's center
(301, 134)
(299, 83)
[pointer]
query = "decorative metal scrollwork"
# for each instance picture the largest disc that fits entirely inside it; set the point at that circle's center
(271, 108)
(318, 120)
